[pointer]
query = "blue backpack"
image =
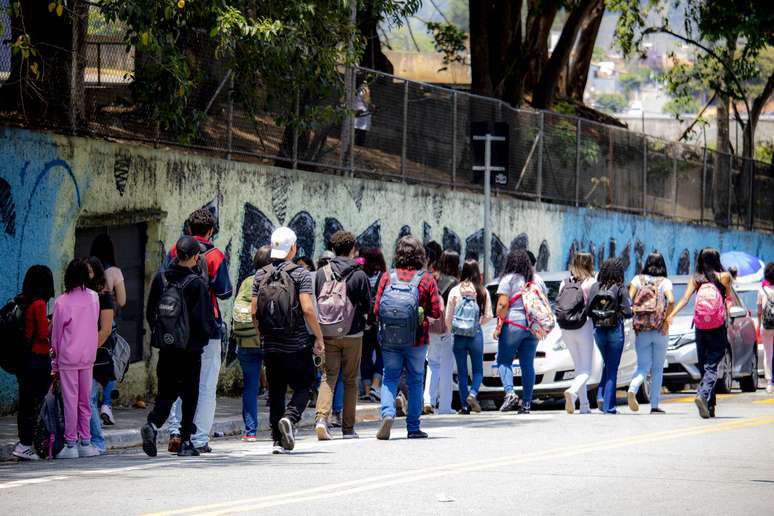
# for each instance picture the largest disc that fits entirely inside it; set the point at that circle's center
(467, 317)
(399, 311)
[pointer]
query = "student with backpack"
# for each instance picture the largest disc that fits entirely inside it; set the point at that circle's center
(371, 364)
(711, 284)
(652, 301)
(577, 329)
(343, 303)
(74, 348)
(766, 323)
(405, 299)
(469, 307)
(31, 336)
(440, 356)
(518, 330)
(283, 308)
(202, 226)
(249, 350)
(179, 313)
(609, 305)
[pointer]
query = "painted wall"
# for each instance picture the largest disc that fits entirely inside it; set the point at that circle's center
(51, 184)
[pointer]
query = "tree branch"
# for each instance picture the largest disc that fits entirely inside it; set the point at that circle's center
(698, 117)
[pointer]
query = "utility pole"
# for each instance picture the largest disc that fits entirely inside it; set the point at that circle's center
(488, 138)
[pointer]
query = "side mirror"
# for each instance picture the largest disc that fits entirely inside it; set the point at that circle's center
(736, 312)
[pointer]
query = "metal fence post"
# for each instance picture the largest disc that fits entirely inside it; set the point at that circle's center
(577, 161)
(405, 131)
(750, 167)
(728, 192)
(295, 132)
(703, 187)
(540, 158)
(674, 181)
(644, 175)
(99, 63)
(454, 139)
(230, 135)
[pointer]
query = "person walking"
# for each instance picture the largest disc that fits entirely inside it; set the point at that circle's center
(102, 248)
(577, 329)
(74, 348)
(711, 284)
(283, 308)
(514, 339)
(202, 226)
(652, 301)
(440, 356)
(469, 307)
(34, 375)
(608, 306)
(249, 351)
(405, 299)
(766, 323)
(343, 302)
(182, 322)
(371, 364)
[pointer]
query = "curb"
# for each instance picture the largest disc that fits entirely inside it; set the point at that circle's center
(121, 439)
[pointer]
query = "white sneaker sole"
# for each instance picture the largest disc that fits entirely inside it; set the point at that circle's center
(569, 402)
(286, 429)
(631, 397)
(322, 433)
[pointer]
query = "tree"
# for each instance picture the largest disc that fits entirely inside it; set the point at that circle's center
(371, 14)
(681, 105)
(611, 102)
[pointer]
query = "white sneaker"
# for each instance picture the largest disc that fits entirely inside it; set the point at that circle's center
(569, 401)
(321, 428)
(106, 413)
(277, 449)
(585, 409)
(25, 452)
(288, 432)
(68, 452)
(88, 450)
(631, 397)
(770, 389)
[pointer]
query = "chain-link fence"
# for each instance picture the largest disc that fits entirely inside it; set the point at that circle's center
(419, 133)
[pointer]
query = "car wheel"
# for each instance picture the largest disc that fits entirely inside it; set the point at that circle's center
(643, 395)
(750, 383)
(725, 374)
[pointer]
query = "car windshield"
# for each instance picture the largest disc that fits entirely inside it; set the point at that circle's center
(749, 298)
(679, 291)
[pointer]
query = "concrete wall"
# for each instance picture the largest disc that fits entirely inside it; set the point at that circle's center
(51, 184)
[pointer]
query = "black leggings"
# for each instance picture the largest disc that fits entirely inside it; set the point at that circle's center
(34, 381)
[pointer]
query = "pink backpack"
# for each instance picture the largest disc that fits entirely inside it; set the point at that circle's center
(540, 317)
(710, 311)
(335, 311)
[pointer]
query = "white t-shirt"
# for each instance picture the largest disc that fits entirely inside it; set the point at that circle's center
(664, 286)
(510, 285)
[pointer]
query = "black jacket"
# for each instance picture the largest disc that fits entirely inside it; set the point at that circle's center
(624, 302)
(201, 318)
(358, 289)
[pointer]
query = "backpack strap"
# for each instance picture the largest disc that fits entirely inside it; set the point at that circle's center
(417, 279)
(328, 272)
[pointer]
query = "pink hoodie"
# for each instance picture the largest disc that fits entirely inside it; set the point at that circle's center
(74, 330)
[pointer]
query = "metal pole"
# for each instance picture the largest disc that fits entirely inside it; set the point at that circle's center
(487, 204)
(728, 191)
(644, 175)
(674, 182)
(454, 139)
(99, 63)
(405, 131)
(577, 161)
(295, 132)
(540, 159)
(703, 185)
(230, 117)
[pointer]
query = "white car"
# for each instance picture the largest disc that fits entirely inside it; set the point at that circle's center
(554, 368)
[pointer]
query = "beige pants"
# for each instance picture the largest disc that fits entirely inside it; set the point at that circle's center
(340, 355)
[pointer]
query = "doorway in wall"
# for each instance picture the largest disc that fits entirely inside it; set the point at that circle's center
(129, 243)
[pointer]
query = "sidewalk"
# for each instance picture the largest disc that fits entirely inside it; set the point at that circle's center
(126, 432)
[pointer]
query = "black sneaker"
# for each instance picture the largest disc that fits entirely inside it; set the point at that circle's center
(701, 404)
(187, 449)
(657, 411)
(510, 402)
(149, 434)
(204, 449)
(288, 438)
(712, 411)
(523, 409)
(463, 411)
(417, 434)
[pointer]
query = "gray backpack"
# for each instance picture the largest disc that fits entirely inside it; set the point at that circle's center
(335, 311)
(768, 312)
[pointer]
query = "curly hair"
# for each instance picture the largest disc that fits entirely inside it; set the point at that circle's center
(518, 263)
(611, 273)
(201, 222)
(342, 242)
(409, 253)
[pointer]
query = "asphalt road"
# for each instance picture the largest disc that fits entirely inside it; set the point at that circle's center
(547, 462)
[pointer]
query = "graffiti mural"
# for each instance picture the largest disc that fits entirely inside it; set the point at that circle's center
(7, 208)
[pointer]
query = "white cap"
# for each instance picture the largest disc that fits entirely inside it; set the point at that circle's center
(281, 241)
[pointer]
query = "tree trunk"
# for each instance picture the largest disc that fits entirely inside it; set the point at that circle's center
(576, 82)
(545, 92)
(367, 23)
(540, 19)
(720, 180)
(480, 65)
(56, 95)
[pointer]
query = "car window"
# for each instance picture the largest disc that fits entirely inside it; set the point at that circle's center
(553, 291)
(493, 296)
(749, 298)
(679, 292)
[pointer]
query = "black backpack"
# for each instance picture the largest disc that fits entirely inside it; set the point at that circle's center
(48, 439)
(12, 329)
(445, 284)
(171, 327)
(603, 308)
(571, 306)
(276, 304)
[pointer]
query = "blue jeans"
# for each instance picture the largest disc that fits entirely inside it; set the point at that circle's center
(517, 342)
(651, 349)
(250, 360)
(95, 424)
(473, 346)
(338, 395)
(610, 342)
(395, 358)
(107, 391)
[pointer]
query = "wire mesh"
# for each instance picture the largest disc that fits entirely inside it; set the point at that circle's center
(763, 197)
(558, 157)
(660, 177)
(690, 168)
(428, 133)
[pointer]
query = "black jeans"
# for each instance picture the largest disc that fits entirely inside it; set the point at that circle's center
(34, 381)
(370, 364)
(178, 377)
(283, 370)
(710, 347)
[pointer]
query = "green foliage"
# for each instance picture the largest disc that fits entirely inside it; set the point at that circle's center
(450, 41)
(764, 152)
(598, 54)
(635, 80)
(611, 102)
(681, 105)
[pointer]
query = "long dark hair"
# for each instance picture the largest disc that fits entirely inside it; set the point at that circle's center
(518, 263)
(76, 274)
(655, 265)
(374, 261)
(449, 264)
(708, 266)
(472, 273)
(611, 273)
(97, 281)
(102, 248)
(38, 284)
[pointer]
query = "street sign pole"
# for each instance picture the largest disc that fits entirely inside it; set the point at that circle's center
(488, 169)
